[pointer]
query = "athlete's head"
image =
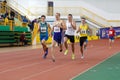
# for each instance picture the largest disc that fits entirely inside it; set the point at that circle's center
(111, 27)
(43, 17)
(57, 16)
(83, 20)
(70, 17)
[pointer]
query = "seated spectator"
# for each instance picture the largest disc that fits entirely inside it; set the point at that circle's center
(6, 14)
(25, 20)
(23, 39)
(11, 18)
(30, 25)
(12, 13)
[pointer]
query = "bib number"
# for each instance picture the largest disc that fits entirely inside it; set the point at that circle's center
(56, 29)
(43, 29)
(110, 32)
(83, 32)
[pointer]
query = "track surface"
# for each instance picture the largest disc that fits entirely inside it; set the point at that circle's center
(29, 65)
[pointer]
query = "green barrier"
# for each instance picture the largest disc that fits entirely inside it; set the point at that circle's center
(19, 28)
(8, 37)
(4, 28)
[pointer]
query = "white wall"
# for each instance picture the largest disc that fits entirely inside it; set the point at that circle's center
(99, 7)
(111, 6)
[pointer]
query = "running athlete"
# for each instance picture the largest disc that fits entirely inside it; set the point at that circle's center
(58, 27)
(44, 34)
(69, 34)
(83, 29)
(111, 35)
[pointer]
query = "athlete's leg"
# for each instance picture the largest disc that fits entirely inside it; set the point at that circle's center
(81, 47)
(61, 47)
(85, 44)
(53, 50)
(73, 51)
(72, 40)
(66, 45)
(44, 45)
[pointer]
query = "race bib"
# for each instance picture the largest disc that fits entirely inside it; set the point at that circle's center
(56, 29)
(43, 29)
(110, 32)
(83, 32)
(69, 28)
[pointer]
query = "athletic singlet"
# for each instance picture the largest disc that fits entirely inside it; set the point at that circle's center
(83, 30)
(70, 31)
(43, 28)
(57, 30)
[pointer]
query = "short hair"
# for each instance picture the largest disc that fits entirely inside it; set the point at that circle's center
(83, 18)
(43, 16)
(70, 15)
(58, 14)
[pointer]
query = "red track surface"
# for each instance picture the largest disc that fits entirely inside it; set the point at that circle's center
(29, 65)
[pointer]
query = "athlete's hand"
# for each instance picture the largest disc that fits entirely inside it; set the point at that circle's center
(59, 25)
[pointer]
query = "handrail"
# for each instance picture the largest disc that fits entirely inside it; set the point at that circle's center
(81, 11)
(94, 15)
(25, 11)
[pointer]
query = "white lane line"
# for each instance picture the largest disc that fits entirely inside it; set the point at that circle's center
(48, 70)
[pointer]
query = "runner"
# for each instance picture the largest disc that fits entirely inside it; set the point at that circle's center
(83, 29)
(111, 35)
(69, 34)
(44, 34)
(58, 27)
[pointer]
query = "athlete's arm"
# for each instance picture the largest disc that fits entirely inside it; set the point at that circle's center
(73, 25)
(52, 29)
(78, 30)
(114, 32)
(90, 30)
(64, 25)
(38, 28)
(54, 24)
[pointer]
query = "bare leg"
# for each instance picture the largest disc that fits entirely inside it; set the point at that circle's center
(66, 45)
(45, 49)
(44, 45)
(73, 47)
(110, 43)
(73, 54)
(52, 51)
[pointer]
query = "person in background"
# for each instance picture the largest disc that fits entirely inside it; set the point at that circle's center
(25, 20)
(111, 35)
(23, 39)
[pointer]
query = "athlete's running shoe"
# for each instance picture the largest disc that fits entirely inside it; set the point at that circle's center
(66, 52)
(45, 55)
(73, 56)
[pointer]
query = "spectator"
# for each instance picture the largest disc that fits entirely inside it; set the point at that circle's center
(12, 14)
(6, 14)
(6, 20)
(25, 20)
(23, 39)
(32, 24)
